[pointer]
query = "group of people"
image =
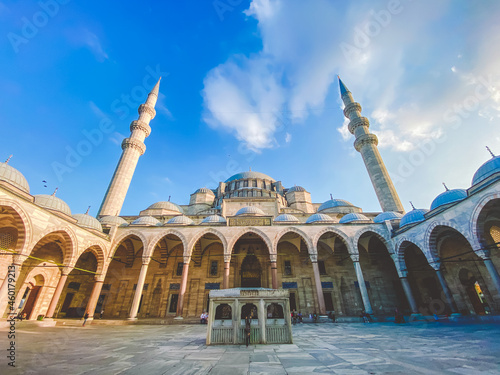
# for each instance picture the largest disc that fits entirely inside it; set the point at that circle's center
(204, 317)
(296, 317)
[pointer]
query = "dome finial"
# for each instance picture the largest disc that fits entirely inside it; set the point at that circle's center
(489, 150)
(169, 198)
(54, 193)
(86, 213)
(250, 169)
(331, 196)
(446, 187)
(412, 206)
(8, 159)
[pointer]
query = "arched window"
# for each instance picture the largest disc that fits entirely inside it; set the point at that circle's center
(249, 310)
(223, 312)
(275, 311)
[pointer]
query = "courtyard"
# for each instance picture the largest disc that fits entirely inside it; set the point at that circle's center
(377, 348)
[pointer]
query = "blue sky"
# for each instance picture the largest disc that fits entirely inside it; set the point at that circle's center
(248, 84)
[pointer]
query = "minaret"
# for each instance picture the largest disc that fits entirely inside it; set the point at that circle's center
(132, 147)
(366, 143)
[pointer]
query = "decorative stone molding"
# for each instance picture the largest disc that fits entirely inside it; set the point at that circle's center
(187, 259)
(354, 257)
(227, 258)
(134, 143)
(351, 107)
(145, 260)
(365, 139)
(313, 257)
(140, 125)
(358, 121)
(273, 257)
(148, 109)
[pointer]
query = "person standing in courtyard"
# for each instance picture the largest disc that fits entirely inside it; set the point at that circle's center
(248, 330)
(86, 316)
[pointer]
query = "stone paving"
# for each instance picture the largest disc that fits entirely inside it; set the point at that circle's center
(378, 348)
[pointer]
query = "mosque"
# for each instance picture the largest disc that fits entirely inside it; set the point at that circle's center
(251, 231)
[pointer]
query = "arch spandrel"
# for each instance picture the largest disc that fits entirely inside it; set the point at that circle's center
(382, 235)
(200, 234)
(343, 236)
(130, 233)
(156, 239)
(306, 238)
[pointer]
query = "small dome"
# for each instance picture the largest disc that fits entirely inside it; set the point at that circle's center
(87, 221)
(319, 218)
(352, 217)
(388, 215)
(489, 168)
(332, 203)
(213, 219)
(412, 217)
(250, 210)
(146, 221)
(286, 218)
(165, 206)
(250, 174)
(13, 177)
(449, 196)
(113, 220)
(204, 191)
(180, 220)
(51, 202)
(295, 189)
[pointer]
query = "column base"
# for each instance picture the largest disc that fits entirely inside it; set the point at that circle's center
(178, 318)
(455, 316)
(132, 319)
(416, 316)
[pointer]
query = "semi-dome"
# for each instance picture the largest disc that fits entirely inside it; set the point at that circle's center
(286, 218)
(165, 206)
(319, 218)
(412, 217)
(147, 221)
(13, 177)
(333, 203)
(204, 191)
(214, 219)
(51, 202)
(113, 220)
(449, 196)
(388, 215)
(249, 174)
(352, 217)
(295, 189)
(250, 210)
(180, 220)
(87, 221)
(489, 168)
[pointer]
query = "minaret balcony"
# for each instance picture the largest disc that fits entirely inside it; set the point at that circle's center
(142, 126)
(365, 139)
(358, 121)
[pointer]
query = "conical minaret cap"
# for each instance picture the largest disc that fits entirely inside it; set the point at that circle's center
(343, 89)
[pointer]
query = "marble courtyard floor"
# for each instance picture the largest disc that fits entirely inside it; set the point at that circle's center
(379, 348)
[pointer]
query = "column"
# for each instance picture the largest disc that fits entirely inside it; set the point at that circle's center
(274, 274)
(225, 280)
(447, 292)
(493, 273)
(94, 296)
(362, 285)
(138, 290)
(57, 294)
(409, 294)
(317, 281)
(182, 292)
(262, 321)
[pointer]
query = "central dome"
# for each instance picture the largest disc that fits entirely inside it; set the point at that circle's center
(249, 174)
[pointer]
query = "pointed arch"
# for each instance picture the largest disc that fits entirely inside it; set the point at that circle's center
(430, 239)
(70, 249)
(253, 230)
(401, 246)
(199, 235)
(98, 250)
(339, 233)
(117, 242)
(382, 235)
(302, 234)
(22, 220)
(474, 224)
(154, 241)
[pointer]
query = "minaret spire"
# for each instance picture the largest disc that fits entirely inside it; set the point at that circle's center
(366, 144)
(133, 147)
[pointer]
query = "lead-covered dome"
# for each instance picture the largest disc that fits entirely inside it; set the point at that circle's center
(334, 203)
(113, 220)
(51, 202)
(353, 217)
(286, 218)
(388, 215)
(180, 220)
(204, 191)
(249, 174)
(214, 219)
(489, 168)
(147, 221)
(319, 218)
(87, 221)
(412, 217)
(250, 210)
(449, 196)
(295, 189)
(14, 177)
(165, 206)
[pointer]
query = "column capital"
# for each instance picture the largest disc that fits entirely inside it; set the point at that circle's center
(354, 257)
(18, 259)
(227, 258)
(146, 260)
(99, 278)
(273, 257)
(187, 259)
(313, 257)
(65, 271)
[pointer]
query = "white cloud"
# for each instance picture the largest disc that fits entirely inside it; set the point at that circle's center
(288, 138)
